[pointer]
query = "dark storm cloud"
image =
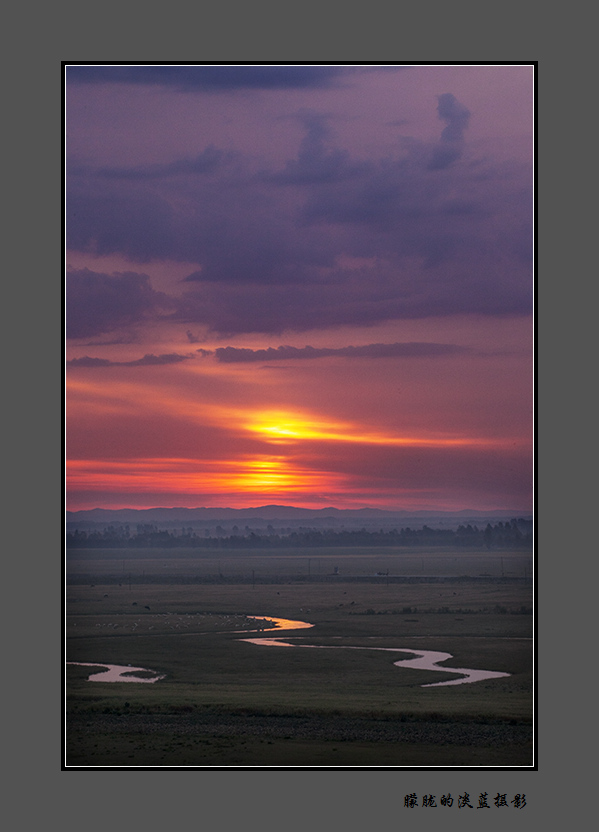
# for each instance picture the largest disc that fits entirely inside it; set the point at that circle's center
(148, 360)
(414, 349)
(211, 78)
(98, 303)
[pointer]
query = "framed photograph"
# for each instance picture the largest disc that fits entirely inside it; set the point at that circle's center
(300, 319)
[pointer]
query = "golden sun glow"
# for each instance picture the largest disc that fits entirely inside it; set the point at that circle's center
(266, 474)
(285, 427)
(275, 426)
(280, 426)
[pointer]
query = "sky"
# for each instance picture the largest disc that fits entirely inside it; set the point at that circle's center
(305, 285)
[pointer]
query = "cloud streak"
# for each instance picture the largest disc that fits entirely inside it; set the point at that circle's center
(185, 78)
(229, 355)
(148, 360)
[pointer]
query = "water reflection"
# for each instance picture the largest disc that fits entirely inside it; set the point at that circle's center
(421, 659)
(122, 673)
(425, 660)
(279, 624)
(118, 673)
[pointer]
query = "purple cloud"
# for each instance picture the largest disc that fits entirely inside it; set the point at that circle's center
(316, 163)
(206, 162)
(98, 303)
(451, 144)
(442, 235)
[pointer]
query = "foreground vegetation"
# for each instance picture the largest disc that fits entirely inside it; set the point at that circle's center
(226, 702)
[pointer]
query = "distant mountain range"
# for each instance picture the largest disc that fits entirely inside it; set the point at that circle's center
(278, 513)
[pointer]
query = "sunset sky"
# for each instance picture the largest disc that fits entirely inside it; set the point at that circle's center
(308, 285)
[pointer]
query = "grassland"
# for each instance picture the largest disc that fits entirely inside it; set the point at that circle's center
(225, 702)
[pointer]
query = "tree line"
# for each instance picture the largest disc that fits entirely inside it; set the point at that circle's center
(513, 534)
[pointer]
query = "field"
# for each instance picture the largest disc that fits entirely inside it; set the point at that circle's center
(225, 702)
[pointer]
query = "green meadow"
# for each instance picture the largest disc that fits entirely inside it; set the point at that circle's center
(224, 702)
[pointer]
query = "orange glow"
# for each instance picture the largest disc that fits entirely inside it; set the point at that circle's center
(273, 426)
(284, 427)
(268, 474)
(277, 426)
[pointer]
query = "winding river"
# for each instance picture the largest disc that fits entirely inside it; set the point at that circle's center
(118, 673)
(424, 659)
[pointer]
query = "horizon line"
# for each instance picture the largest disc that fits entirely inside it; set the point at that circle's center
(302, 508)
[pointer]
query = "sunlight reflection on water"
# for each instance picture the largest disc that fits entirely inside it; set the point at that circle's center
(280, 624)
(425, 660)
